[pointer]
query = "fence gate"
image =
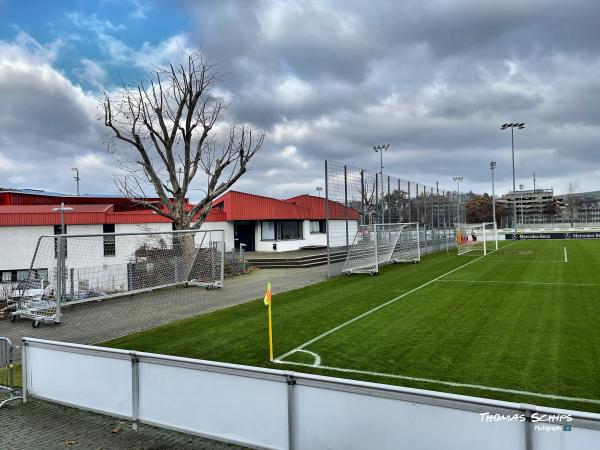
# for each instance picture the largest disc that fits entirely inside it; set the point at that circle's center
(7, 381)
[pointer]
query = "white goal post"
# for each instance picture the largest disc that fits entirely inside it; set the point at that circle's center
(68, 269)
(478, 238)
(378, 244)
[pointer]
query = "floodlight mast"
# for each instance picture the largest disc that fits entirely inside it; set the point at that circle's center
(512, 127)
(380, 149)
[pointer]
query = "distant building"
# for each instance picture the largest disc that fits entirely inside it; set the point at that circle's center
(532, 204)
(260, 223)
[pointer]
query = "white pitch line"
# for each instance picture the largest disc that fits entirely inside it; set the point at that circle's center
(377, 308)
(529, 261)
(449, 383)
(557, 283)
(317, 362)
(565, 249)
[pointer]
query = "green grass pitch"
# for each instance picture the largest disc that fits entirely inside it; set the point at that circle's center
(519, 324)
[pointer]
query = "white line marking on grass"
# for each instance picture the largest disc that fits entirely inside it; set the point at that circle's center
(314, 355)
(377, 308)
(565, 249)
(557, 283)
(529, 261)
(449, 383)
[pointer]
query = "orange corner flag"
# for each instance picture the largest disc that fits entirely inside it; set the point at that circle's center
(267, 298)
(268, 302)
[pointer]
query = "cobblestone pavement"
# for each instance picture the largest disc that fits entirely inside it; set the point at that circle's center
(94, 322)
(43, 425)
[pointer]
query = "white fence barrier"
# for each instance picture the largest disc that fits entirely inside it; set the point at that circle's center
(267, 408)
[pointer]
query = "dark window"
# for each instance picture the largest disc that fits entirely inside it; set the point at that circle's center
(58, 230)
(289, 230)
(109, 241)
(281, 230)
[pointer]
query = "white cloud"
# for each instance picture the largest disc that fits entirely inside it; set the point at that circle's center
(290, 154)
(91, 72)
(6, 164)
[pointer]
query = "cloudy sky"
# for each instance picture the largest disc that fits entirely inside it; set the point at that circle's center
(325, 79)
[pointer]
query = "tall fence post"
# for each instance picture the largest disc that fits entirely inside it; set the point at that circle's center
(376, 195)
(409, 204)
(327, 221)
(362, 196)
(346, 208)
(61, 282)
(389, 202)
(433, 243)
(400, 198)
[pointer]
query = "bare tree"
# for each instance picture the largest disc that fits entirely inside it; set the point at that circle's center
(169, 120)
(572, 201)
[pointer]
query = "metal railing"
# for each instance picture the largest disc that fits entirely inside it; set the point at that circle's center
(7, 380)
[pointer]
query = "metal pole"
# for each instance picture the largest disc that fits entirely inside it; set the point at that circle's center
(346, 207)
(376, 192)
(327, 221)
(24, 379)
(381, 176)
(389, 201)
(493, 168)
(362, 196)
(60, 269)
(62, 218)
(512, 139)
(409, 204)
(399, 201)
(291, 382)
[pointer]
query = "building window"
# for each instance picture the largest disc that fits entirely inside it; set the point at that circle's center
(281, 230)
(13, 276)
(317, 226)
(267, 231)
(58, 230)
(7, 276)
(109, 241)
(289, 229)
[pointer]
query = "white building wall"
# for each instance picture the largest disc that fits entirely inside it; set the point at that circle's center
(309, 239)
(226, 226)
(17, 245)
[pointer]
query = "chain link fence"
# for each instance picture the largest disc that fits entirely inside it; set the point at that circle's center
(358, 197)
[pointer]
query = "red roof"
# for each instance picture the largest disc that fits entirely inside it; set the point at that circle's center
(230, 207)
(242, 206)
(316, 206)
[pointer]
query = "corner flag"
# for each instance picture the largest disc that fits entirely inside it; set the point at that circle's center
(267, 301)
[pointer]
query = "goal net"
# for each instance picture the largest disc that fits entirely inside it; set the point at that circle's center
(480, 238)
(72, 269)
(378, 244)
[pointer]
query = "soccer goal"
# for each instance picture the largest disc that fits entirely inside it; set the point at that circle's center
(478, 238)
(378, 244)
(72, 269)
